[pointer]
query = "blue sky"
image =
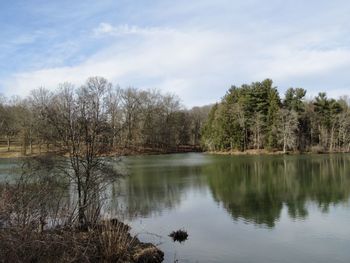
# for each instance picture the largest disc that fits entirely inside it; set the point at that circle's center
(195, 49)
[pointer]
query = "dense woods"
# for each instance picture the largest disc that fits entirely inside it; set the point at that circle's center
(256, 117)
(130, 118)
(248, 117)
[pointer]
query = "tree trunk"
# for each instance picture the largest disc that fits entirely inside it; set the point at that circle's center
(81, 207)
(331, 140)
(31, 147)
(8, 143)
(24, 147)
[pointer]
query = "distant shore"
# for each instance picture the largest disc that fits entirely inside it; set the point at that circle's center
(163, 151)
(266, 152)
(122, 151)
(247, 152)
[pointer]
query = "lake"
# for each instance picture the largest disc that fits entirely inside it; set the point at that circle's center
(293, 208)
(241, 208)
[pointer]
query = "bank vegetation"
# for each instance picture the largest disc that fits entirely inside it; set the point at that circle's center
(254, 118)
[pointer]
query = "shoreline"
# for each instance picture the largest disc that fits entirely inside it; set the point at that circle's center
(119, 152)
(125, 153)
(248, 152)
(266, 152)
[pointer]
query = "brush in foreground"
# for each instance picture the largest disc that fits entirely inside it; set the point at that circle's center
(107, 242)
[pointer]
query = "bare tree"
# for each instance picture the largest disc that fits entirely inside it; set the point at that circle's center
(114, 111)
(132, 107)
(288, 126)
(80, 117)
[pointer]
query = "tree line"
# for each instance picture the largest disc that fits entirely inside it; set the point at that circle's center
(256, 117)
(248, 117)
(132, 118)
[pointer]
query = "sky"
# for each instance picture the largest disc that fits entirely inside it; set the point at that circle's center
(195, 49)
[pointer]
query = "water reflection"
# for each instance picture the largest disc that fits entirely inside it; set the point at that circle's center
(203, 193)
(155, 184)
(256, 188)
(251, 188)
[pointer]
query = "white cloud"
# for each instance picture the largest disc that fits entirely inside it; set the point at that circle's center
(196, 64)
(286, 64)
(171, 62)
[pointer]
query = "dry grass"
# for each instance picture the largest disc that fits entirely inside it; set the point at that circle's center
(11, 154)
(107, 242)
(115, 240)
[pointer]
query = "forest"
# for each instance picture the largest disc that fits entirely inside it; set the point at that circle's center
(256, 117)
(249, 117)
(134, 120)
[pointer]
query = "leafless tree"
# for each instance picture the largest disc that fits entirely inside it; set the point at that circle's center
(288, 126)
(80, 118)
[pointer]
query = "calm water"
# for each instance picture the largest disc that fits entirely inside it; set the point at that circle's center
(237, 208)
(242, 209)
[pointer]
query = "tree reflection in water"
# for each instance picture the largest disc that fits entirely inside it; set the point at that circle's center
(256, 188)
(252, 188)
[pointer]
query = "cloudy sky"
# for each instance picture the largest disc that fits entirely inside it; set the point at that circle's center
(196, 49)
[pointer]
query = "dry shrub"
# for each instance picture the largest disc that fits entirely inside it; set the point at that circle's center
(114, 240)
(107, 242)
(18, 245)
(37, 225)
(117, 245)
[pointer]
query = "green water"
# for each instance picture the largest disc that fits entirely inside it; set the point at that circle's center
(242, 208)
